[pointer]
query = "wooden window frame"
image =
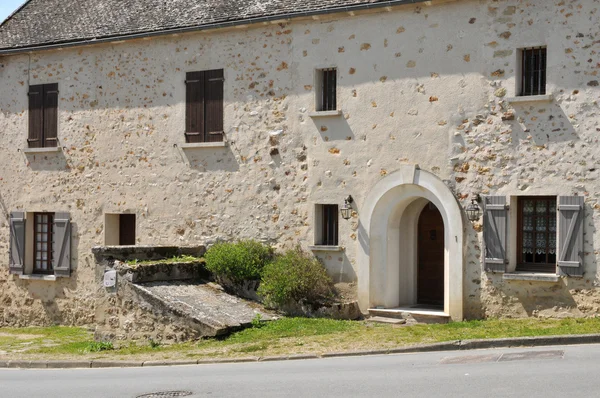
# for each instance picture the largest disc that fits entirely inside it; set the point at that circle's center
(535, 267)
(208, 111)
(327, 86)
(46, 117)
(50, 240)
(329, 225)
(533, 71)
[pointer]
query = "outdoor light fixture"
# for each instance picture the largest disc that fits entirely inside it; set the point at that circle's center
(346, 209)
(473, 210)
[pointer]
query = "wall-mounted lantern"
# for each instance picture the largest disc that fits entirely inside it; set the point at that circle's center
(346, 209)
(473, 210)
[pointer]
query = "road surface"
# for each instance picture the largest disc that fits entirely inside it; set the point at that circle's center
(565, 371)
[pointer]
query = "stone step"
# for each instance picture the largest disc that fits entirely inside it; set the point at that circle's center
(392, 321)
(411, 315)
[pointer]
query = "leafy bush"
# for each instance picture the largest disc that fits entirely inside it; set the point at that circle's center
(295, 277)
(98, 346)
(238, 262)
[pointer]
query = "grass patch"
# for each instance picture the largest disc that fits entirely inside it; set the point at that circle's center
(172, 260)
(282, 337)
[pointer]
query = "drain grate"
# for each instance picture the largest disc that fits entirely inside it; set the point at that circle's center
(166, 394)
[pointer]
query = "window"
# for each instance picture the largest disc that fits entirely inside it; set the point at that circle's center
(119, 229)
(326, 231)
(326, 89)
(533, 71)
(40, 243)
(43, 243)
(204, 106)
(536, 232)
(43, 116)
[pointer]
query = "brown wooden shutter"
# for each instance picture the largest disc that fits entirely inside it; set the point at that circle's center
(17, 243)
(61, 245)
(495, 231)
(36, 116)
(50, 115)
(570, 235)
(194, 107)
(214, 105)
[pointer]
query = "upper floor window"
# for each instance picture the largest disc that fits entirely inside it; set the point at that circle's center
(326, 89)
(43, 115)
(533, 71)
(204, 106)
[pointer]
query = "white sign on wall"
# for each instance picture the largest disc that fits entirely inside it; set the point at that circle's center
(110, 278)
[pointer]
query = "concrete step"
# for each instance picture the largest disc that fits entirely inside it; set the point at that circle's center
(411, 315)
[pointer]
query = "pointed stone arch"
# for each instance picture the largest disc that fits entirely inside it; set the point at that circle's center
(387, 240)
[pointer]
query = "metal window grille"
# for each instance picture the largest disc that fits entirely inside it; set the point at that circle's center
(328, 89)
(537, 234)
(330, 225)
(43, 242)
(533, 76)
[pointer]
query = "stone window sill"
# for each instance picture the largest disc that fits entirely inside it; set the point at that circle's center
(218, 144)
(325, 113)
(530, 98)
(530, 276)
(42, 150)
(325, 248)
(49, 278)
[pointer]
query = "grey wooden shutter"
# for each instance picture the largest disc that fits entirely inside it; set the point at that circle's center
(570, 235)
(495, 232)
(50, 115)
(194, 107)
(36, 116)
(61, 245)
(214, 105)
(17, 243)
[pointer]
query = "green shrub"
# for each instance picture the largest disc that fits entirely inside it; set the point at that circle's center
(295, 277)
(239, 261)
(98, 346)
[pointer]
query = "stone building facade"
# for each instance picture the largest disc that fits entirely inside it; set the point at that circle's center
(430, 111)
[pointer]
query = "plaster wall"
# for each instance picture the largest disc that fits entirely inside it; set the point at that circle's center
(417, 84)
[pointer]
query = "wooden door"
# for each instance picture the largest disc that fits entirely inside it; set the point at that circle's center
(430, 271)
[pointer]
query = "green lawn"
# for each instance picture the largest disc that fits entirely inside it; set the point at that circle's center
(282, 337)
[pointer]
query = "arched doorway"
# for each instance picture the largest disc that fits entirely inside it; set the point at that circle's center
(387, 258)
(430, 257)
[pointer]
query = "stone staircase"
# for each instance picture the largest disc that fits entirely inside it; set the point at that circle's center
(409, 315)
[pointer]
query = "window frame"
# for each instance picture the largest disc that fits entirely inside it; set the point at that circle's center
(49, 270)
(526, 58)
(521, 265)
(326, 83)
(47, 116)
(205, 106)
(329, 225)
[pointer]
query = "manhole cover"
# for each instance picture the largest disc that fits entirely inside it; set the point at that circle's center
(166, 394)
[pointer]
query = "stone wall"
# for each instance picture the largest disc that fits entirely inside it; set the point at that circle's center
(428, 86)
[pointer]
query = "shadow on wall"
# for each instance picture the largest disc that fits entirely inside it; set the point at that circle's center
(544, 123)
(338, 266)
(334, 128)
(51, 161)
(210, 159)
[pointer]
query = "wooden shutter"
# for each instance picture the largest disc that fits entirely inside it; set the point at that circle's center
(36, 116)
(50, 115)
(570, 235)
(194, 107)
(127, 229)
(61, 244)
(495, 231)
(17, 243)
(214, 105)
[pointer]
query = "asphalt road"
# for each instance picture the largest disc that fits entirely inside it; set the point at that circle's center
(559, 371)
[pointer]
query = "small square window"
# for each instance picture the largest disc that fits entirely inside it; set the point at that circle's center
(326, 89)
(533, 71)
(326, 225)
(119, 229)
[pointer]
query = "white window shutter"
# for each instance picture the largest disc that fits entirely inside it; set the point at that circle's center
(495, 230)
(17, 243)
(570, 235)
(61, 260)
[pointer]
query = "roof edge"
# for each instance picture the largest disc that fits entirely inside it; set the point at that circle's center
(216, 25)
(14, 12)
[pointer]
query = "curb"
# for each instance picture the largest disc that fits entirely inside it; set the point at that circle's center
(456, 345)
